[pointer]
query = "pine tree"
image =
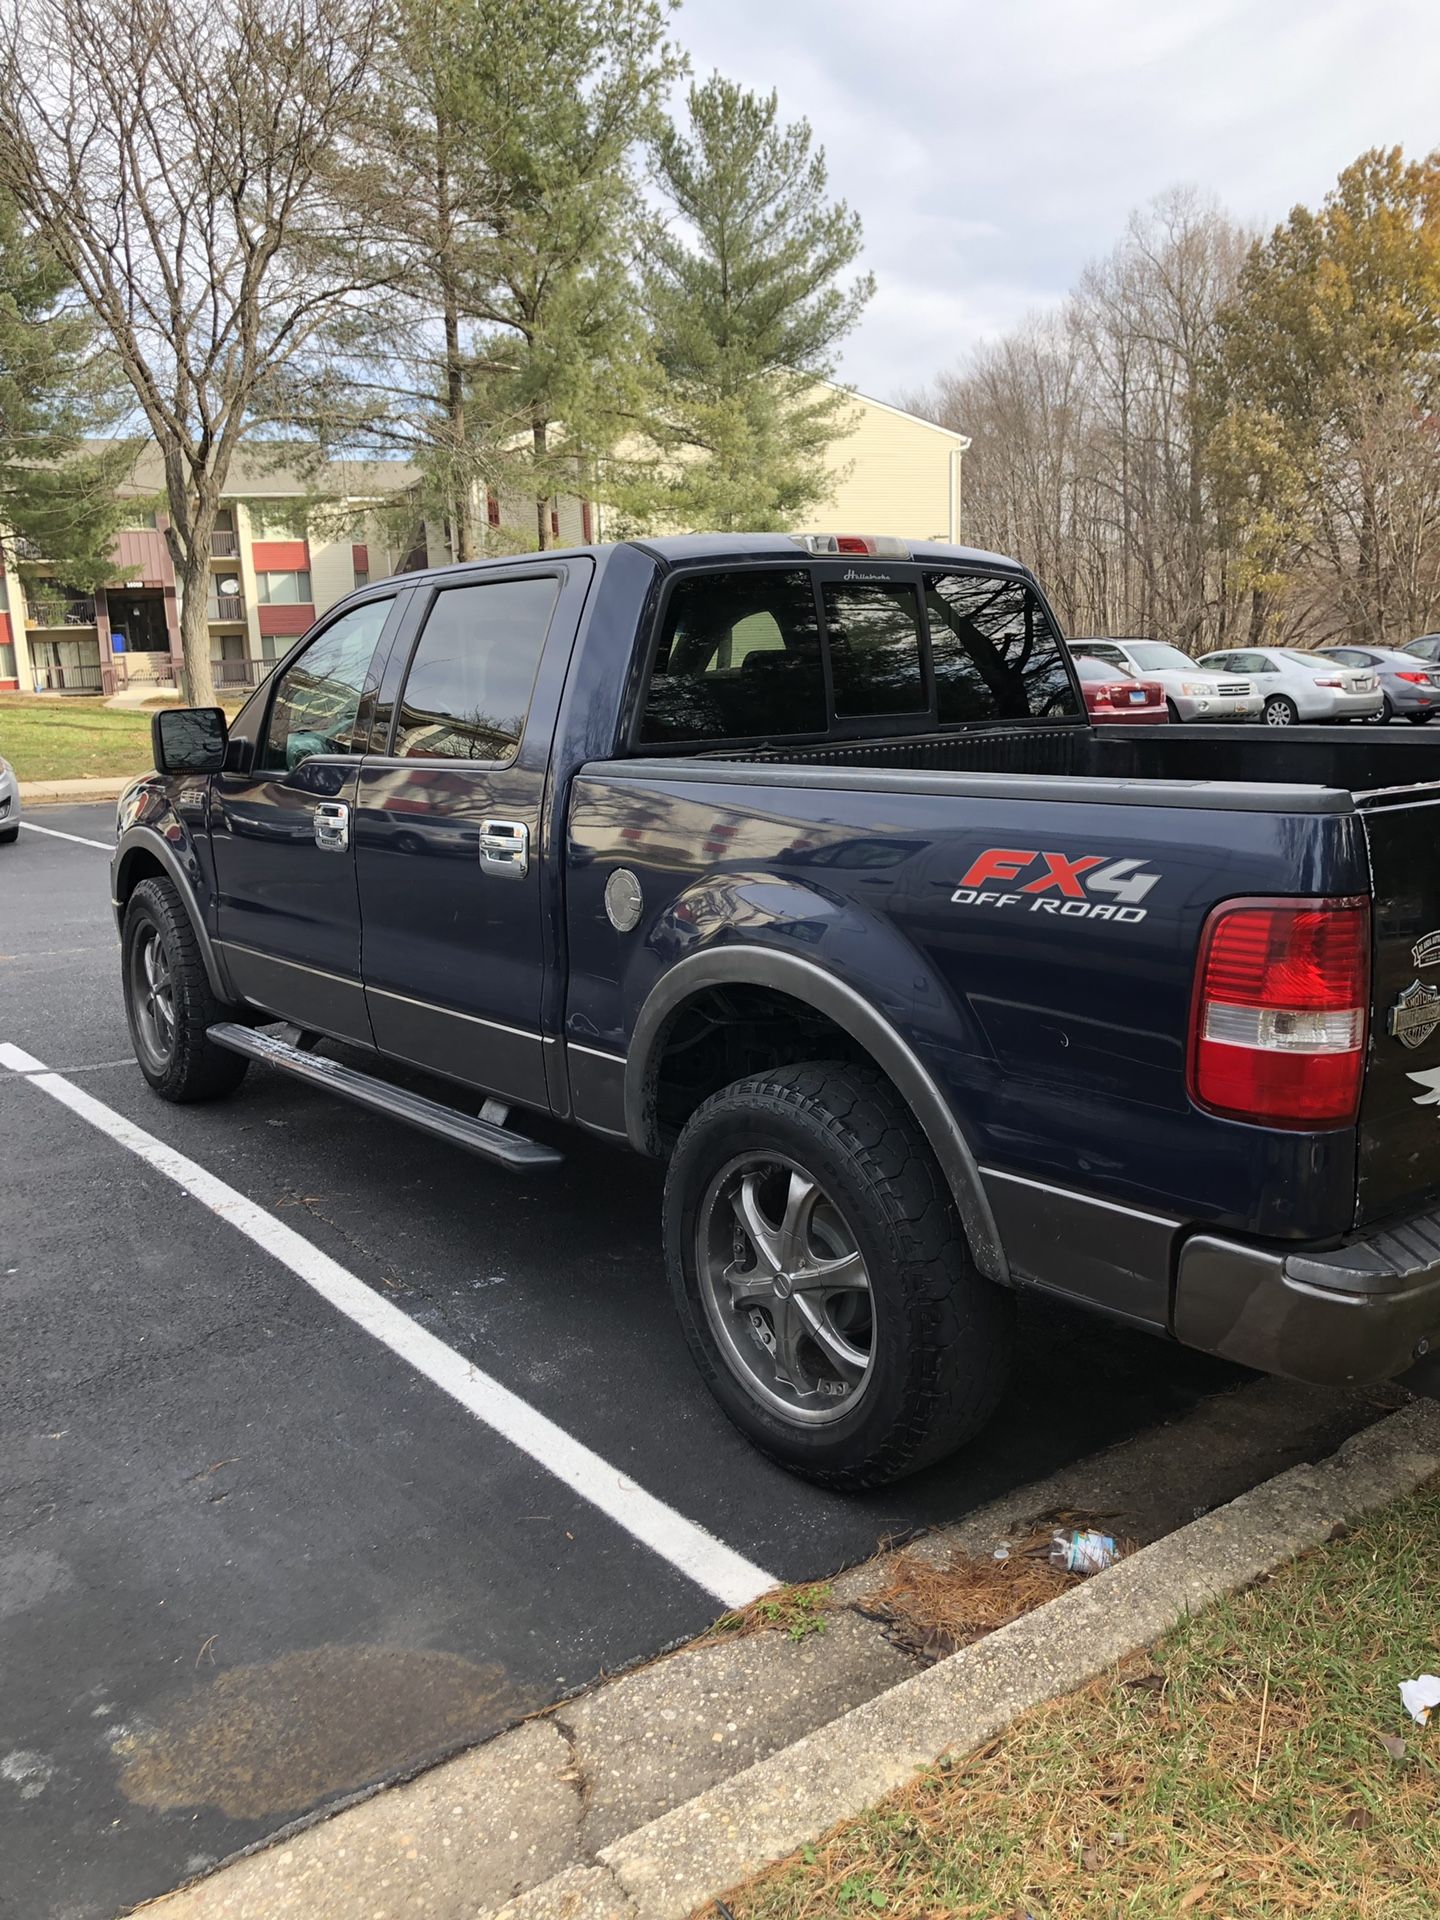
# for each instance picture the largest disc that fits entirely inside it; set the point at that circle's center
(745, 298)
(57, 498)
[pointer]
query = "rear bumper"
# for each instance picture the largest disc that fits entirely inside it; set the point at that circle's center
(1347, 706)
(1349, 1316)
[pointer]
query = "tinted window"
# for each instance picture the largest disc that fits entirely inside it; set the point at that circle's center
(738, 659)
(468, 689)
(874, 637)
(996, 654)
(317, 699)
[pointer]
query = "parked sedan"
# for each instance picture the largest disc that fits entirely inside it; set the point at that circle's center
(1408, 685)
(1190, 692)
(1112, 701)
(9, 804)
(1303, 686)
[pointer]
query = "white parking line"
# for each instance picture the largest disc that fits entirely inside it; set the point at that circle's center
(727, 1575)
(54, 833)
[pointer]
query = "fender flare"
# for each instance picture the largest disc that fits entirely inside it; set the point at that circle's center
(144, 839)
(804, 980)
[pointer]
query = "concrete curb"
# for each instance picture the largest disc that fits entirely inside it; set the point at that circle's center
(39, 793)
(665, 1870)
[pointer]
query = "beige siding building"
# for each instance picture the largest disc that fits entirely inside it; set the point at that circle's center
(894, 473)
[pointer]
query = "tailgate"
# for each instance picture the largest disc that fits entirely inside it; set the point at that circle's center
(1399, 1143)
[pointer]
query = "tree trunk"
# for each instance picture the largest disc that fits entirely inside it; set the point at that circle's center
(539, 434)
(462, 545)
(197, 676)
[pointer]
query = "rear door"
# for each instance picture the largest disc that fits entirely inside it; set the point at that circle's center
(452, 831)
(286, 906)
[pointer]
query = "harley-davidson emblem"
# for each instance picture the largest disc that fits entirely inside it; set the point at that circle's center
(1415, 1014)
(1426, 951)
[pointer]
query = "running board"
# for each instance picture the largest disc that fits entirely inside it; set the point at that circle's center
(491, 1142)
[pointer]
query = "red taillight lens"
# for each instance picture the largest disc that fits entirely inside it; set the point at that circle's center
(1282, 993)
(1415, 679)
(851, 543)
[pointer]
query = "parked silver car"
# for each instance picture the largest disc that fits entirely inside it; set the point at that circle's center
(1190, 692)
(1427, 647)
(9, 804)
(1296, 686)
(1410, 686)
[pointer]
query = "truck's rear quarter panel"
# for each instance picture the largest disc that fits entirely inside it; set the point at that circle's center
(1059, 1036)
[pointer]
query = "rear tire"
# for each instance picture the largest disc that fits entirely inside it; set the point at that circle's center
(1421, 719)
(1279, 711)
(168, 1001)
(907, 1354)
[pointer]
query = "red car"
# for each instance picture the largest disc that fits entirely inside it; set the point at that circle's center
(1119, 702)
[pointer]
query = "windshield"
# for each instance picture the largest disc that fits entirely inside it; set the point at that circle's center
(1158, 658)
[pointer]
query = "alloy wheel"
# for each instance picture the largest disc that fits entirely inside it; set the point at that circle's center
(785, 1288)
(152, 989)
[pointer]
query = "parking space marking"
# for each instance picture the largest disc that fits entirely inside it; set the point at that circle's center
(732, 1579)
(54, 833)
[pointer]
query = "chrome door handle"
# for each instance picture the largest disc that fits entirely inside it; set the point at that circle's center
(332, 826)
(505, 848)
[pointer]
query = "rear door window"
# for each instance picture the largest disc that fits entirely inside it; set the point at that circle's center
(996, 653)
(738, 659)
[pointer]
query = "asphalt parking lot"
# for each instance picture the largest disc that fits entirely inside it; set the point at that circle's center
(255, 1554)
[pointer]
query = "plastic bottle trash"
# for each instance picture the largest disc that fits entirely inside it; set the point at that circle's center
(1083, 1550)
(1420, 1697)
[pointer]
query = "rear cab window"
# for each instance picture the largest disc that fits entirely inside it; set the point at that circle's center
(756, 654)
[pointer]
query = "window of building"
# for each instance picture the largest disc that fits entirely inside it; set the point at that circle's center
(492, 507)
(468, 689)
(873, 630)
(317, 699)
(283, 589)
(995, 652)
(555, 522)
(362, 577)
(7, 660)
(739, 658)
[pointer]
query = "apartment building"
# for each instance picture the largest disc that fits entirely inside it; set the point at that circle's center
(286, 546)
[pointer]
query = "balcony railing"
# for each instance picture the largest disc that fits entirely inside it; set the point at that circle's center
(143, 669)
(224, 540)
(239, 673)
(226, 606)
(49, 679)
(79, 612)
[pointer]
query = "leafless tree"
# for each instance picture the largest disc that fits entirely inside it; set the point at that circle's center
(186, 163)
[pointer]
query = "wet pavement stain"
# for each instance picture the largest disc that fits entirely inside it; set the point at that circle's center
(280, 1737)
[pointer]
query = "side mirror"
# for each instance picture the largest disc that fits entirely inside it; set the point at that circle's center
(189, 739)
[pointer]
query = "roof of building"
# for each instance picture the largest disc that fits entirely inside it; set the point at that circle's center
(259, 471)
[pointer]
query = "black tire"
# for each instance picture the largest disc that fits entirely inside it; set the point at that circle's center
(1174, 713)
(1421, 719)
(939, 1334)
(1387, 711)
(9, 835)
(189, 1068)
(1279, 711)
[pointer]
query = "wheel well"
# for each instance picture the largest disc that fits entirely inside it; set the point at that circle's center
(724, 1033)
(135, 867)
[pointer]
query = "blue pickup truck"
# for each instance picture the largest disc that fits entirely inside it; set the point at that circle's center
(794, 862)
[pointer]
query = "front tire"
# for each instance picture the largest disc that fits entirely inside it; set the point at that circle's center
(168, 1001)
(10, 835)
(823, 1280)
(1174, 712)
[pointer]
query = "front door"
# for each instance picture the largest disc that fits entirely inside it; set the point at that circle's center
(287, 915)
(449, 829)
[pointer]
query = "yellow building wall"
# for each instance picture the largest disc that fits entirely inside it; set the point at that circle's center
(903, 477)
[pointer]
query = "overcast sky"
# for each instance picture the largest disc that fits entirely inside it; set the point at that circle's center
(992, 147)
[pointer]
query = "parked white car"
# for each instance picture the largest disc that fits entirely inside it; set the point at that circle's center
(1191, 693)
(9, 804)
(1296, 686)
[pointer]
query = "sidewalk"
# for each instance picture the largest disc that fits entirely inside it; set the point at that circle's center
(39, 793)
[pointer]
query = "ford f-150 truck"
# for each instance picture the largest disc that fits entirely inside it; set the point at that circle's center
(794, 862)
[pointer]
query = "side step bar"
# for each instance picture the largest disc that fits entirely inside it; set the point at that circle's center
(491, 1142)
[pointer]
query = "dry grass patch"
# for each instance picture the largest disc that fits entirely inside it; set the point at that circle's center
(1257, 1765)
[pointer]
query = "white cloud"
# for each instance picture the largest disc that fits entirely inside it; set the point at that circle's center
(992, 149)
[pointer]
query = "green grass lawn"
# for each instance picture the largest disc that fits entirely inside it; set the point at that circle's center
(1255, 1763)
(71, 739)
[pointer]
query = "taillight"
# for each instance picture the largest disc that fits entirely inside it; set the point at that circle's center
(1322, 680)
(1415, 679)
(1277, 1027)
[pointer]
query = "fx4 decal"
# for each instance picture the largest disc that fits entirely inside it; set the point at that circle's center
(1082, 886)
